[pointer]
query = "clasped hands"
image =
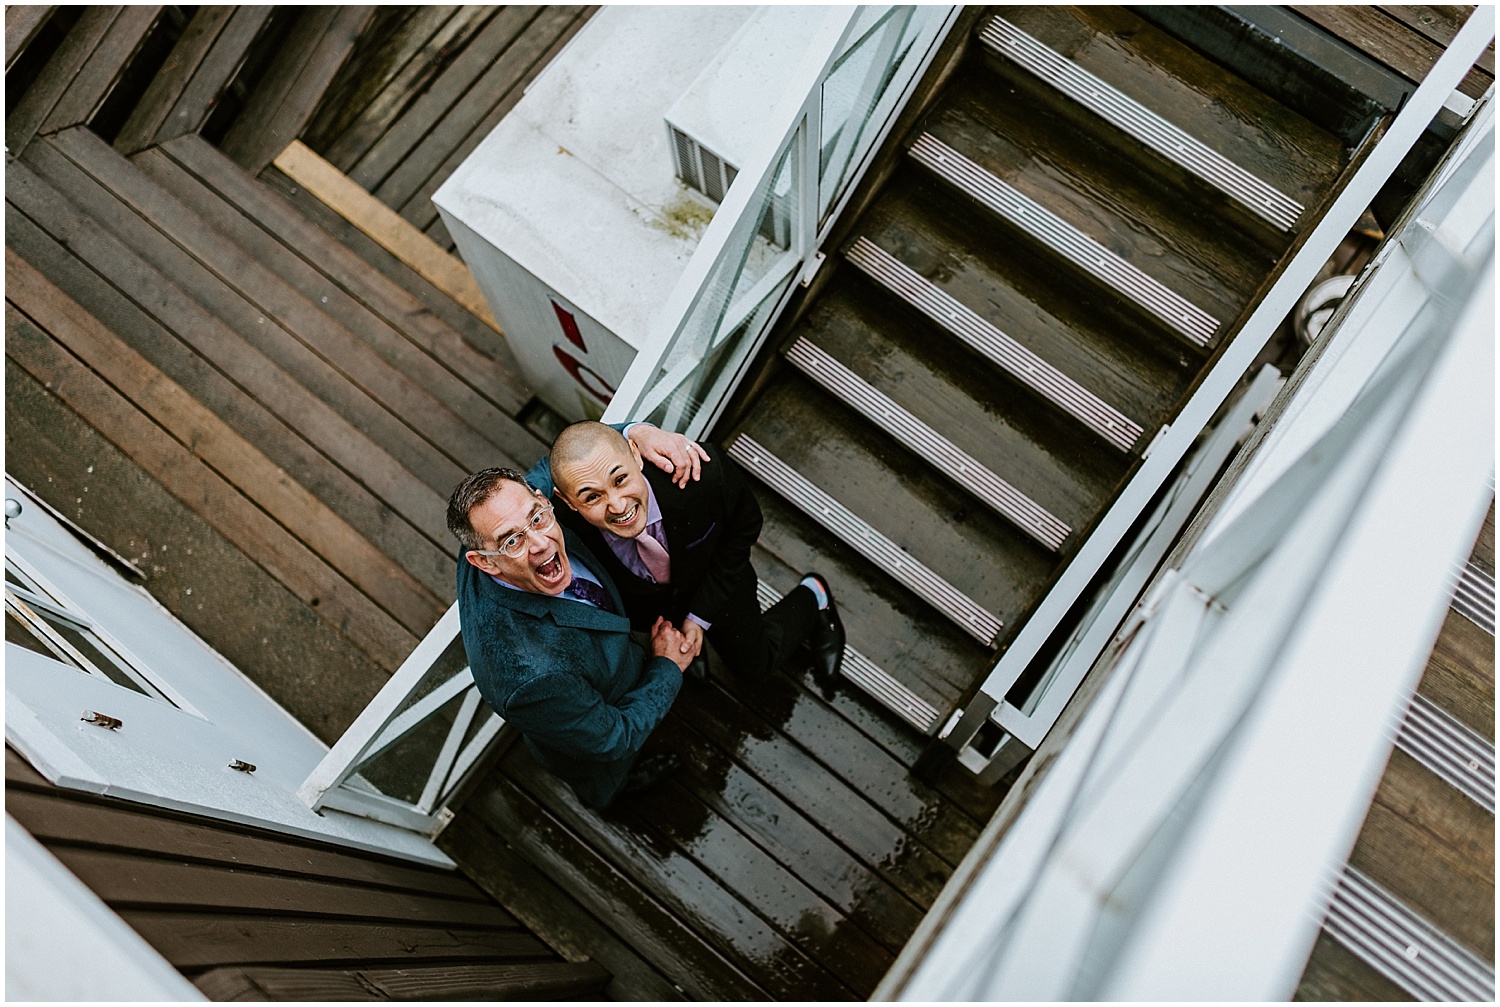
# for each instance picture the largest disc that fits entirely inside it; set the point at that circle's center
(679, 646)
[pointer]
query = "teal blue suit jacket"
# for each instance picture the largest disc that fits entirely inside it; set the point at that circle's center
(583, 694)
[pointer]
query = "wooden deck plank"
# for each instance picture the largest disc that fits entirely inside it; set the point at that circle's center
(403, 136)
(414, 360)
(1440, 24)
(1334, 973)
(58, 818)
(316, 673)
(394, 443)
(26, 119)
(386, 227)
(259, 378)
(22, 22)
(550, 912)
(455, 314)
(192, 47)
(1460, 675)
(101, 71)
(797, 912)
(193, 940)
(422, 428)
(871, 772)
(693, 895)
(279, 440)
(294, 565)
(289, 92)
(398, 67)
(499, 380)
(541, 981)
(785, 833)
(211, 51)
(410, 187)
(693, 966)
(1434, 849)
(125, 880)
(880, 843)
(197, 428)
(1384, 38)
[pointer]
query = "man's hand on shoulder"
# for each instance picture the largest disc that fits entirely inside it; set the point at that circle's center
(673, 453)
(668, 642)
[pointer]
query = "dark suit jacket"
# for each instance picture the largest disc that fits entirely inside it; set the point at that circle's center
(710, 526)
(583, 694)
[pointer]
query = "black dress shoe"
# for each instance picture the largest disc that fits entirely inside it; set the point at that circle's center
(650, 770)
(828, 637)
(698, 668)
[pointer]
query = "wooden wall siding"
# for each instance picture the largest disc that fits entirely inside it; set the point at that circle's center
(1422, 840)
(425, 89)
(251, 915)
(1408, 39)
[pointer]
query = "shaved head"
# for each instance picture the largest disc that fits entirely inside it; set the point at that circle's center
(599, 474)
(577, 443)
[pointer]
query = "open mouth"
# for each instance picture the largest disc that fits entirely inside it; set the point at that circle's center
(628, 518)
(551, 571)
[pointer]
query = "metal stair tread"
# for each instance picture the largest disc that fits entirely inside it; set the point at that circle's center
(1024, 365)
(1146, 126)
(1458, 755)
(1403, 946)
(870, 677)
(966, 471)
(1067, 241)
(974, 619)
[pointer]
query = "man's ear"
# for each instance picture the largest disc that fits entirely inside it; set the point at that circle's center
(557, 491)
(635, 453)
(477, 561)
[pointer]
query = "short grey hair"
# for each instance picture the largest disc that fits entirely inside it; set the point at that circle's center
(471, 493)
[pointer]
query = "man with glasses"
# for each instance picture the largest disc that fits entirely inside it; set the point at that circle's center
(549, 644)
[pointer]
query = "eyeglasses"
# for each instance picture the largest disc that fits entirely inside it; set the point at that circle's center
(539, 521)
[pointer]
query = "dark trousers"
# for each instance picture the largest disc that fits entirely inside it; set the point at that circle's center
(753, 645)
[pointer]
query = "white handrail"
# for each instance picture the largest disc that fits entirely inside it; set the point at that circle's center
(734, 215)
(1221, 380)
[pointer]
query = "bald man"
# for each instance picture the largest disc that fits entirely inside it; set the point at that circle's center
(677, 544)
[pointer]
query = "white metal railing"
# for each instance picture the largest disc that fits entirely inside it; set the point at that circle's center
(1172, 445)
(840, 103)
(1180, 846)
(410, 750)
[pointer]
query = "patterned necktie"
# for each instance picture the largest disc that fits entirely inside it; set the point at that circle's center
(593, 594)
(654, 555)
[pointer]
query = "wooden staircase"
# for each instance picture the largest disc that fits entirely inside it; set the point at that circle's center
(1081, 220)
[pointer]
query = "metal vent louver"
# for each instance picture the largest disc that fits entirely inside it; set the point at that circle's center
(699, 167)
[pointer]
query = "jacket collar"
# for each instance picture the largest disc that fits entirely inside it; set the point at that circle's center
(566, 611)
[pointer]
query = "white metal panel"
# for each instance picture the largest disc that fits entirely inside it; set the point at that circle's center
(63, 943)
(164, 756)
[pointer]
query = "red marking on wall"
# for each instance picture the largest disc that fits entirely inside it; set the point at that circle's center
(594, 385)
(569, 325)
